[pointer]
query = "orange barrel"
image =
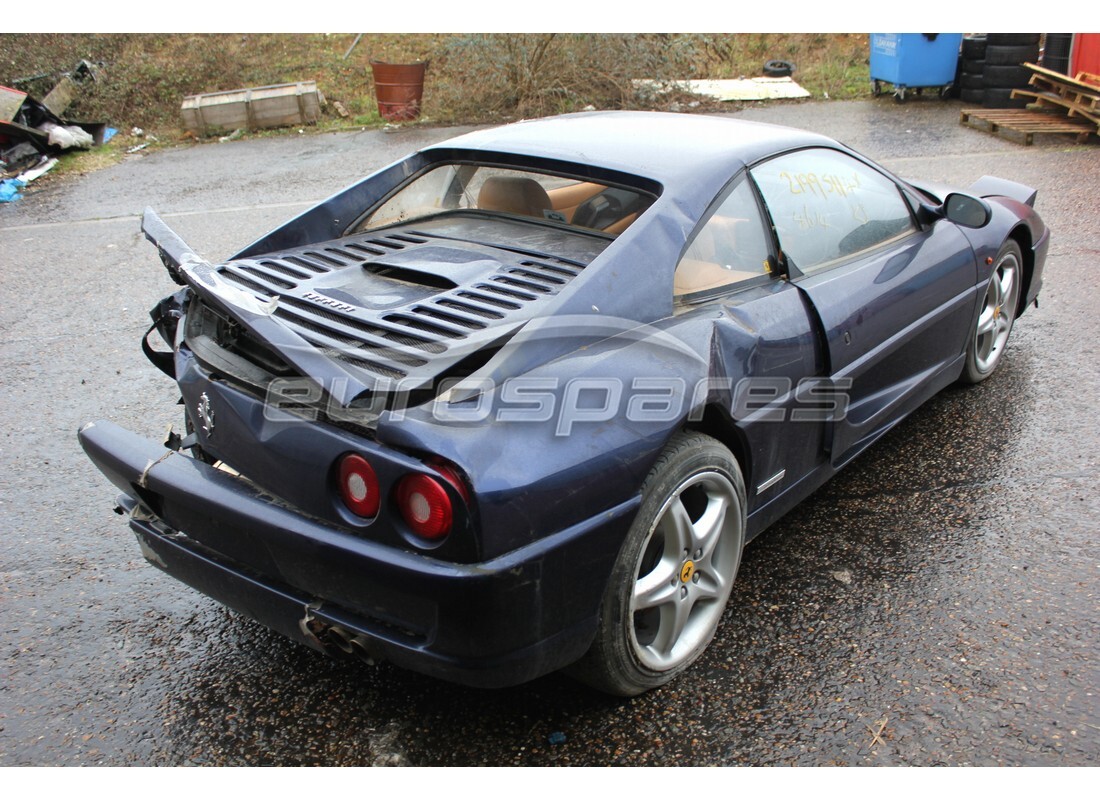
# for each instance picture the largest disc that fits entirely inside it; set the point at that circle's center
(399, 89)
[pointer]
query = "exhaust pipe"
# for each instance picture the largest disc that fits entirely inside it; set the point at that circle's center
(341, 638)
(340, 641)
(337, 640)
(365, 650)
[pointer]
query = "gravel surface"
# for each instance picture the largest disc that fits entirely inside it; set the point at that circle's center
(934, 604)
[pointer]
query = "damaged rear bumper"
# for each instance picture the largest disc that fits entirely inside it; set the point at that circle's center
(497, 623)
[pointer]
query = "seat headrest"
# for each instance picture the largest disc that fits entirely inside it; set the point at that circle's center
(514, 195)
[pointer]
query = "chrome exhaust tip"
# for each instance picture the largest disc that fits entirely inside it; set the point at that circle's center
(365, 649)
(341, 638)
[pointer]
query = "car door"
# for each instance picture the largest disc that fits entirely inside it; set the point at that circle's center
(763, 341)
(894, 299)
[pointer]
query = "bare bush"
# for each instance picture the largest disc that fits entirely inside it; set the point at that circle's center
(472, 77)
(538, 74)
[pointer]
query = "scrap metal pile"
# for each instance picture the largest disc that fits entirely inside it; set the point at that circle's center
(33, 131)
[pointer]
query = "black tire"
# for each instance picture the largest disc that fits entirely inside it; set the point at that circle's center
(1000, 77)
(695, 473)
(1011, 55)
(1000, 305)
(975, 67)
(1056, 51)
(778, 69)
(973, 47)
(974, 96)
(969, 80)
(1013, 39)
(1002, 98)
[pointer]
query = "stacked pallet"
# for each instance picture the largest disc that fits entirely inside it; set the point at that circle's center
(1074, 97)
(1060, 104)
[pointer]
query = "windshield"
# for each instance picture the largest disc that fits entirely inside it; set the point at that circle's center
(556, 199)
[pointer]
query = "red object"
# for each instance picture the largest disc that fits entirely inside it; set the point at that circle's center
(359, 485)
(1086, 54)
(399, 89)
(425, 505)
(452, 476)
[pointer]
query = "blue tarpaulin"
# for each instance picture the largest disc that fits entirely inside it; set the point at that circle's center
(9, 190)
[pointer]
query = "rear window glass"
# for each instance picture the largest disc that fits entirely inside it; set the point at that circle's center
(556, 199)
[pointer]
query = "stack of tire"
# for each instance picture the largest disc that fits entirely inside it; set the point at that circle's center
(993, 65)
(1056, 50)
(971, 70)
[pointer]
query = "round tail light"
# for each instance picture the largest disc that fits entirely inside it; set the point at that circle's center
(425, 505)
(359, 485)
(452, 476)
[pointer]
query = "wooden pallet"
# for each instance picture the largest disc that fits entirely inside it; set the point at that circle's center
(1077, 98)
(1028, 123)
(1081, 92)
(1050, 100)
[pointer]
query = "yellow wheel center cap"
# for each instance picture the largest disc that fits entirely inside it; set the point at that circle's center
(996, 312)
(687, 571)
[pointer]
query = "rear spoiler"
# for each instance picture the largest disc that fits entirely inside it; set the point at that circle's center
(172, 249)
(988, 186)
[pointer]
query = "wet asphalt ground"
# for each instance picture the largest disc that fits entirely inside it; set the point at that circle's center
(936, 604)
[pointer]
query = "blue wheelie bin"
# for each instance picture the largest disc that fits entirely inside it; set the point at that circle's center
(914, 61)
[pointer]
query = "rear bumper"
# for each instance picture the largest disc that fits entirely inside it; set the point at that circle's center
(497, 623)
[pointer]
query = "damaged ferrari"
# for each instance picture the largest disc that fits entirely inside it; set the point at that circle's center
(516, 403)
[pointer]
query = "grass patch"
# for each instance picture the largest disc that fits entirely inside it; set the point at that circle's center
(81, 162)
(372, 119)
(471, 77)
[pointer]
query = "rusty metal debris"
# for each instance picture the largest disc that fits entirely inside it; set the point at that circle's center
(33, 131)
(32, 128)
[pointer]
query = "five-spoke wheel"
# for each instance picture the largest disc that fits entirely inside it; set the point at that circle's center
(674, 574)
(685, 571)
(998, 312)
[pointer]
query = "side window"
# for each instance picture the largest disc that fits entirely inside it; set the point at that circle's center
(827, 206)
(730, 247)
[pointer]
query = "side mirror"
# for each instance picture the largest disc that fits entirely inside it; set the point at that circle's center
(966, 210)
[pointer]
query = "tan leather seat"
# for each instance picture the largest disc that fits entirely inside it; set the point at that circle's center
(523, 196)
(718, 256)
(620, 226)
(567, 199)
(700, 276)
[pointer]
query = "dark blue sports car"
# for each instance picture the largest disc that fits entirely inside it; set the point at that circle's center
(517, 402)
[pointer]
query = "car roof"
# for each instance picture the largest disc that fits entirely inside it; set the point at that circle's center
(678, 150)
